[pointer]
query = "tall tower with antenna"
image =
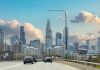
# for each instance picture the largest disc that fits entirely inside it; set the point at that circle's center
(48, 35)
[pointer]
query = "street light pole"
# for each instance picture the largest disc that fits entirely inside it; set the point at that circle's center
(66, 29)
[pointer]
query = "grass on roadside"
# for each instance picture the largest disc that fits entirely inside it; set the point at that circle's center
(98, 66)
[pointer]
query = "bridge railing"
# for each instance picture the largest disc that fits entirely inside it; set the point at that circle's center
(85, 63)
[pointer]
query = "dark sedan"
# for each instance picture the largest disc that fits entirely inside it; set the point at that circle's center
(48, 59)
(28, 59)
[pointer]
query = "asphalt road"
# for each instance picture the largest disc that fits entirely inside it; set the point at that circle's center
(35, 66)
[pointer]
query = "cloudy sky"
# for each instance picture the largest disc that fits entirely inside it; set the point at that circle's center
(83, 16)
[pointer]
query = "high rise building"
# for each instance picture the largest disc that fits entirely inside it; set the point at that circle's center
(1, 39)
(88, 46)
(98, 44)
(15, 44)
(13, 39)
(65, 37)
(48, 35)
(32, 43)
(76, 45)
(91, 47)
(82, 49)
(22, 36)
(58, 39)
(35, 43)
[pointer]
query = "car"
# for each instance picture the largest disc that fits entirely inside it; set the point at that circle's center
(43, 60)
(48, 59)
(34, 59)
(28, 59)
(39, 60)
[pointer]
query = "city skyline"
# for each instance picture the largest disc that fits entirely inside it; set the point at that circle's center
(35, 13)
(65, 33)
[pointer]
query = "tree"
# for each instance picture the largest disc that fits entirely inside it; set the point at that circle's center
(89, 59)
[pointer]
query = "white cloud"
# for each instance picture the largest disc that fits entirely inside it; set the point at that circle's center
(83, 37)
(12, 27)
(13, 24)
(1, 21)
(33, 32)
(86, 17)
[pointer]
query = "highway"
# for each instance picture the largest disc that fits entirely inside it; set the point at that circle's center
(36, 66)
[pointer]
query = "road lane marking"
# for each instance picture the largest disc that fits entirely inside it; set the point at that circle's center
(12, 66)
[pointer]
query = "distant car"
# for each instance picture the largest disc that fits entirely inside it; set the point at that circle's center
(39, 60)
(43, 60)
(48, 59)
(28, 59)
(34, 59)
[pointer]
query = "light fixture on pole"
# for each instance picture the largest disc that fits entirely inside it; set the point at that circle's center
(66, 29)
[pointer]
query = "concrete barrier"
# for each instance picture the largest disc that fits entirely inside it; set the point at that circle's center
(85, 63)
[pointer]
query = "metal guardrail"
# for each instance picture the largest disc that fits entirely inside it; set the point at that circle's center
(85, 63)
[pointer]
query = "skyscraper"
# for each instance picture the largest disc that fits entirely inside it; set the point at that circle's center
(14, 41)
(76, 45)
(58, 39)
(65, 37)
(98, 44)
(88, 46)
(1, 39)
(22, 36)
(35, 43)
(48, 35)
(91, 46)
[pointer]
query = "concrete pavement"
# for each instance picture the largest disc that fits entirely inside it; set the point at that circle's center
(35, 66)
(9, 63)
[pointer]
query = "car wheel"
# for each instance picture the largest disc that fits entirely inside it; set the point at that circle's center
(24, 63)
(32, 62)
